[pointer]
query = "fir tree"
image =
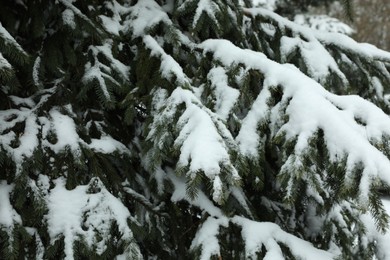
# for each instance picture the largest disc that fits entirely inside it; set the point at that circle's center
(172, 129)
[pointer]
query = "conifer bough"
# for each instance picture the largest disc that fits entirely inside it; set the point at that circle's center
(188, 129)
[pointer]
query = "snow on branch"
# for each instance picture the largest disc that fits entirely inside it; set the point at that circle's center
(77, 12)
(143, 200)
(203, 142)
(257, 234)
(114, 24)
(27, 140)
(366, 51)
(318, 60)
(4, 64)
(87, 212)
(206, 237)
(102, 73)
(309, 108)
(8, 215)
(22, 131)
(106, 50)
(201, 201)
(323, 23)
(336, 61)
(381, 239)
(9, 42)
(169, 67)
(225, 95)
(143, 16)
(203, 6)
(109, 75)
(68, 18)
(209, 18)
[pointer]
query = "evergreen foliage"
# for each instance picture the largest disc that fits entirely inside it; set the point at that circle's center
(175, 129)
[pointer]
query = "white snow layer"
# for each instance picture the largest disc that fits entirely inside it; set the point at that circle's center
(107, 144)
(114, 24)
(206, 237)
(200, 142)
(369, 51)
(65, 129)
(57, 123)
(226, 96)
(169, 67)
(311, 108)
(256, 234)
(323, 23)
(201, 200)
(268, 4)
(83, 213)
(101, 72)
(8, 215)
(28, 140)
(4, 64)
(203, 6)
(144, 15)
(9, 40)
(202, 146)
(318, 60)
(68, 18)
(383, 240)
(106, 50)
(35, 72)
(94, 73)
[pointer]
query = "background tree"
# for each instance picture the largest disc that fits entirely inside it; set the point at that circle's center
(179, 129)
(368, 28)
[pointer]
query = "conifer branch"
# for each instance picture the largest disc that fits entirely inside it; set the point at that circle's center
(77, 11)
(144, 201)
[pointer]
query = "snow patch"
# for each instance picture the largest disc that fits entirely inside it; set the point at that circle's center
(204, 6)
(28, 140)
(8, 215)
(256, 234)
(85, 212)
(169, 67)
(68, 18)
(9, 40)
(317, 59)
(65, 130)
(201, 200)
(145, 15)
(310, 107)
(206, 237)
(107, 144)
(323, 23)
(226, 96)
(4, 64)
(35, 73)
